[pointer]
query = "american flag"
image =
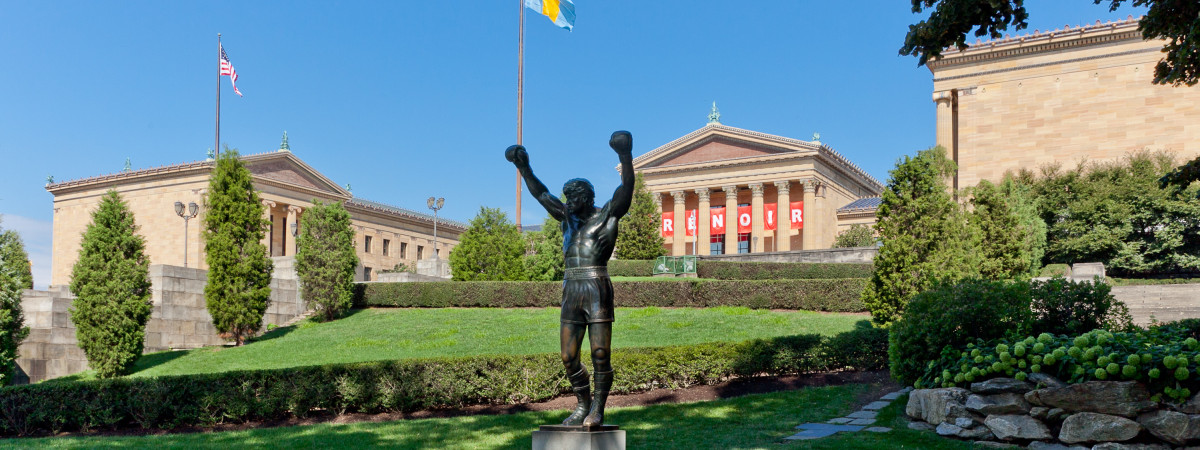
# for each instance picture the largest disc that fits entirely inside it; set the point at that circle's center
(227, 69)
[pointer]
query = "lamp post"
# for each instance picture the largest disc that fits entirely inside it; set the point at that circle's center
(435, 204)
(192, 209)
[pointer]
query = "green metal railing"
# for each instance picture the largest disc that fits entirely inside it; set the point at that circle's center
(674, 265)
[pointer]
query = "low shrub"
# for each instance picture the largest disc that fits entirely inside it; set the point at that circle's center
(1166, 359)
(408, 385)
(838, 295)
(736, 270)
(953, 313)
(631, 268)
(1055, 270)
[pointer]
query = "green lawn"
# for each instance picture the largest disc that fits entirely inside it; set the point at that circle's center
(753, 421)
(399, 333)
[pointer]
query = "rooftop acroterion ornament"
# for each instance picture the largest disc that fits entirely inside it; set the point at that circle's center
(714, 117)
(209, 155)
(283, 146)
(128, 167)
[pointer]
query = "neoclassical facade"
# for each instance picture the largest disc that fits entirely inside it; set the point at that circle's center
(1058, 97)
(760, 192)
(385, 235)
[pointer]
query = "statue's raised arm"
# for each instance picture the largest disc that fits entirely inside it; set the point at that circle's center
(622, 143)
(517, 155)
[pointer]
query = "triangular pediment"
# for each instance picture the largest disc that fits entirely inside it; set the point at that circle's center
(286, 168)
(717, 143)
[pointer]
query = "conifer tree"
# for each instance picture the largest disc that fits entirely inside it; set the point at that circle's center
(325, 258)
(545, 260)
(638, 233)
(111, 283)
(14, 276)
(239, 271)
(926, 237)
(490, 250)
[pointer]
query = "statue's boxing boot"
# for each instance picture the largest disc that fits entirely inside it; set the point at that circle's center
(599, 397)
(579, 385)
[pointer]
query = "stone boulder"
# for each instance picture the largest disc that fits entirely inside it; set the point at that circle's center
(1039, 445)
(1125, 399)
(949, 429)
(937, 405)
(1010, 427)
(1174, 427)
(1094, 427)
(1046, 381)
(998, 404)
(1120, 446)
(1000, 386)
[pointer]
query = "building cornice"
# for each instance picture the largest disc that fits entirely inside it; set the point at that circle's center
(1038, 42)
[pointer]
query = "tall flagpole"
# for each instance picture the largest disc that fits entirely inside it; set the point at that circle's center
(520, 99)
(217, 144)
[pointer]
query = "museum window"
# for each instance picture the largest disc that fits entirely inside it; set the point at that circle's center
(366, 274)
(386, 244)
(420, 252)
(367, 244)
(743, 242)
(716, 245)
(403, 250)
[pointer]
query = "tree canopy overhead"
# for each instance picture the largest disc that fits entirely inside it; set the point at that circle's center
(1176, 21)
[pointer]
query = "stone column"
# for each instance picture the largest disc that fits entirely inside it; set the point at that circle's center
(945, 119)
(267, 235)
(731, 193)
(808, 234)
(783, 210)
(293, 218)
(703, 222)
(679, 240)
(757, 235)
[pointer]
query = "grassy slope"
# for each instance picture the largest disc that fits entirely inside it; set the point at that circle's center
(753, 421)
(379, 334)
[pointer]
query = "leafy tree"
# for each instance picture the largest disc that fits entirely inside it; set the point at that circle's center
(111, 283)
(1177, 21)
(1005, 249)
(325, 258)
(14, 276)
(1116, 213)
(239, 271)
(925, 235)
(399, 267)
(544, 261)
(638, 235)
(490, 250)
(859, 235)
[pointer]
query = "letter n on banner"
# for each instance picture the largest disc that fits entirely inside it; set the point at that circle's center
(718, 220)
(769, 211)
(691, 222)
(797, 215)
(743, 219)
(668, 224)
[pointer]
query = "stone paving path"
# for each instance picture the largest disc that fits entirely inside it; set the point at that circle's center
(855, 421)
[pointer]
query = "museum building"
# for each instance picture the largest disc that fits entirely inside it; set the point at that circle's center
(727, 190)
(384, 235)
(1059, 97)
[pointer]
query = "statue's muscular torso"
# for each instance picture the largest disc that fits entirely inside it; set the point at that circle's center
(589, 241)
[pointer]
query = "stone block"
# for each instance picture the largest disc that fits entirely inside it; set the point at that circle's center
(875, 406)
(61, 320)
(1005, 403)
(1010, 427)
(62, 336)
(1000, 386)
(936, 405)
(1087, 271)
(1126, 399)
(1094, 427)
(862, 415)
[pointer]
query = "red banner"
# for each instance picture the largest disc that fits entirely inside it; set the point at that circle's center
(743, 219)
(691, 222)
(718, 220)
(668, 224)
(797, 216)
(769, 212)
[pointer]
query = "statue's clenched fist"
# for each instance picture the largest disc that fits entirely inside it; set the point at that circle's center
(621, 142)
(516, 154)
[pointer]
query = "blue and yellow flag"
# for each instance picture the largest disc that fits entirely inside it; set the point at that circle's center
(562, 12)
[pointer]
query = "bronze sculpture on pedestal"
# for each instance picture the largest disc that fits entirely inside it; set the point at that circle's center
(589, 234)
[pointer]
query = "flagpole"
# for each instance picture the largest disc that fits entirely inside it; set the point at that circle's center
(520, 98)
(217, 144)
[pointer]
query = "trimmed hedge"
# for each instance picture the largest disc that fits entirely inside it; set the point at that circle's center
(408, 385)
(735, 270)
(836, 295)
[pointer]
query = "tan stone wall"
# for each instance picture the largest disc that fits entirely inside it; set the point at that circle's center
(1061, 99)
(400, 234)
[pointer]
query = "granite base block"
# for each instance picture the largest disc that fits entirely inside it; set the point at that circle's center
(559, 437)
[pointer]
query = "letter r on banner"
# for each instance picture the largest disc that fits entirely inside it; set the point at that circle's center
(668, 224)
(797, 215)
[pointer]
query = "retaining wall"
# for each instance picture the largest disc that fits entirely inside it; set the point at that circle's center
(832, 255)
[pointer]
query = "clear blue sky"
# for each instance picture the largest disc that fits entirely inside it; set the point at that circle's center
(405, 100)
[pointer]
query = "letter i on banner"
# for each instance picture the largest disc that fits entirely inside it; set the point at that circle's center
(718, 220)
(691, 222)
(797, 215)
(668, 224)
(769, 210)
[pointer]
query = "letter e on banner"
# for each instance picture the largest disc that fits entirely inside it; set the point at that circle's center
(691, 222)
(797, 215)
(668, 224)
(743, 223)
(718, 220)
(769, 211)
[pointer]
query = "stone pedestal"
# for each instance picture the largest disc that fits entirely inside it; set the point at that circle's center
(434, 267)
(565, 437)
